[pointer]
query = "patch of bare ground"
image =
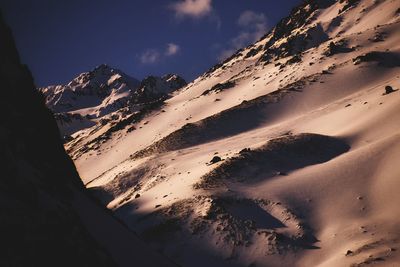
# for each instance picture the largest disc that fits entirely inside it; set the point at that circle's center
(232, 222)
(385, 59)
(277, 157)
(375, 252)
(130, 183)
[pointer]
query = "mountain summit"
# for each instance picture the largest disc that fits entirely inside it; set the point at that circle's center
(100, 93)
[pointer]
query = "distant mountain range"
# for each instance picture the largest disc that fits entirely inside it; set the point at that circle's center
(100, 93)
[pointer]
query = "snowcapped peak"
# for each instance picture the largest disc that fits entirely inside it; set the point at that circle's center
(102, 91)
(101, 75)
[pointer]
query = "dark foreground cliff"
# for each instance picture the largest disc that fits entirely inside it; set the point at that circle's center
(46, 219)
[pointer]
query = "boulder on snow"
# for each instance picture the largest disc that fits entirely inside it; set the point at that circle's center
(215, 159)
(388, 90)
(349, 253)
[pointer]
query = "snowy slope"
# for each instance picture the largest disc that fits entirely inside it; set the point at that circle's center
(307, 139)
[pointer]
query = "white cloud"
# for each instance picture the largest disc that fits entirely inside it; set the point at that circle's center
(254, 22)
(252, 27)
(192, 8)
(172, 49)
(248, 18)
(150, 56)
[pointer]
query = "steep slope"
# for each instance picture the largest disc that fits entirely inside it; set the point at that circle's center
(47, 218)
(282, 155)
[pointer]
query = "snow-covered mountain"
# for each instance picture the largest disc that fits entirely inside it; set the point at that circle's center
(100, 93)
(94, 92)
(285, 154)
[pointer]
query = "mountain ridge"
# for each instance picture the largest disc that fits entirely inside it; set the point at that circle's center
(95, 95)
(282, 155)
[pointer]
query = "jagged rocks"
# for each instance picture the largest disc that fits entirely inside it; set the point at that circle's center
(385, 59)
(348, 4)
(105, 91)
(220, 87)
(253, 52)
(336, 48)
(294, 59)
(378, 37)
(152, 88)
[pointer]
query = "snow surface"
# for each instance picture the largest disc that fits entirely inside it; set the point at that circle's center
(151, 177)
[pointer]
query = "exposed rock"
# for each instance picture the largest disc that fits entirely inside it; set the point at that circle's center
(153, 88)
(348, 4)
(385, 59)
(388, 89)
(215, 159)
(336, 48)
(378, 37)
(220, 87)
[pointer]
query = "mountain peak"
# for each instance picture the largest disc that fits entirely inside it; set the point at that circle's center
(101, 91)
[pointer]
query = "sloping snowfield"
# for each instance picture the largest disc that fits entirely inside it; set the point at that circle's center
(305, 151)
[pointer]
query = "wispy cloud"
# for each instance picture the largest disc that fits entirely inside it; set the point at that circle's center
(150, 56)
(172, 49)
(192, 8)
(255, 22)
(252, 27)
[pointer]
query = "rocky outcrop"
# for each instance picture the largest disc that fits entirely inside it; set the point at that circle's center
(47, 218)
(153, 88)
(38, 225)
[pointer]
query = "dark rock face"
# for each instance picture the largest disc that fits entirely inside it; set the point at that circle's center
(384, 59)
(153, 88)
(219, 87)
(348, 4)
(38, 225)
(337, 48)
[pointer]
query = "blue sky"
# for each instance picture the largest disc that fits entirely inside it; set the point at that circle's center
(60, 39)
